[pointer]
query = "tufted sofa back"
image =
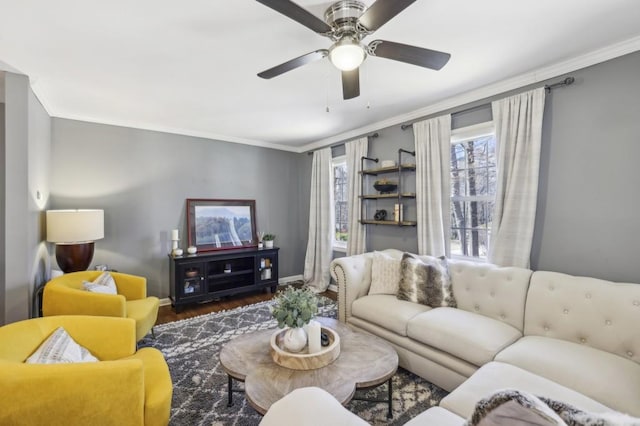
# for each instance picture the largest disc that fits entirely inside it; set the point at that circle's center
(493, 291)
(598, 313)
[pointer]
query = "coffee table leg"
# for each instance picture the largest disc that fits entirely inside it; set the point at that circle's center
(390, 391)
(229, 391)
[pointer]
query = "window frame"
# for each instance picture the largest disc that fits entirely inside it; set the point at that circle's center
(461, 135)
(338, 245)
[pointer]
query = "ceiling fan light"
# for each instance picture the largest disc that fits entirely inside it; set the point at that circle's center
(346, 55)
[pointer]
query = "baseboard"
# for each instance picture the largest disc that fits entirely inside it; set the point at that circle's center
(333, 288)
(284, 280)
(165, 302)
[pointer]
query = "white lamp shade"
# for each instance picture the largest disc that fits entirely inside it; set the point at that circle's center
(74, 226)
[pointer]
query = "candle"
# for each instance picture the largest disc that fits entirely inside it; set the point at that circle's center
(174, 234)
(314, 336)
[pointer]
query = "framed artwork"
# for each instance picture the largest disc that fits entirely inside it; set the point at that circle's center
(221, 224)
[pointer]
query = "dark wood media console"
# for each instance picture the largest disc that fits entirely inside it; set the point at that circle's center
(207, 276)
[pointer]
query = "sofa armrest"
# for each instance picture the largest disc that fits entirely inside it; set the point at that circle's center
(353, 276)
(309, 406)
(107, 393)
(132, 287)
(108, 338)
(59, 299)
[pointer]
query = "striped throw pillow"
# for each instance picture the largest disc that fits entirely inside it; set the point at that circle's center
(60, 348)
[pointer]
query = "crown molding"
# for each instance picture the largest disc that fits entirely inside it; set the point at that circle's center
(532, 77)
(177, 131)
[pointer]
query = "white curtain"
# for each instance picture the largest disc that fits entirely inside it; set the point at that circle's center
(518, 122)
(321, 220)
(357, 242)
(433, 153)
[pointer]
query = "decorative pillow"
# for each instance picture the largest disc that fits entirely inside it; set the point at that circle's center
(510, 407)
(438, 287)
(103, 284)
(413, 276)
(425, 280)
(385, 274)
(60, 348)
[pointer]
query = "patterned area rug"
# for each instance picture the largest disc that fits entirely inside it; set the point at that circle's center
(191, 349)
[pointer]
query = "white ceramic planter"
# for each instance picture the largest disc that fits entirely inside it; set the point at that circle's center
(295, 339)
(268, 244)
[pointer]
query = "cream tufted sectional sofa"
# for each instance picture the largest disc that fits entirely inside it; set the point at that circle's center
(573, 339)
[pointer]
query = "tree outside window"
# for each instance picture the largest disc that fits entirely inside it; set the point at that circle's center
(473, 189)
(340, 200)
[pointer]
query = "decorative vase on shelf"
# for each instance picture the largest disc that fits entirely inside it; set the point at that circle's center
(295, 339)
(268, 244)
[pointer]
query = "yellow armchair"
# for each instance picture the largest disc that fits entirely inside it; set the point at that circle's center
(64, 295)
(124, 388)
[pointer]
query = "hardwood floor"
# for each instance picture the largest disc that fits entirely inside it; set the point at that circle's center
(167, 313)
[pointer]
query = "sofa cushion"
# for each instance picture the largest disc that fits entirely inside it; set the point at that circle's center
(387, 311)
(493, 291)
(471, 337)
(436, 416)
(495, 376)
(597, 313)
(606, 377)
(385, 274)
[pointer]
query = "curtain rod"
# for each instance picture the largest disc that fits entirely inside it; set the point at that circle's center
(372, 135)
(549, 87)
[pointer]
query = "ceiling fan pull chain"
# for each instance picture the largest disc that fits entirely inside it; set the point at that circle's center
(326, 91)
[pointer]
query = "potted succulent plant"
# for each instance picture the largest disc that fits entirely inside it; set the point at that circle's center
(294, 308)
(268, 240)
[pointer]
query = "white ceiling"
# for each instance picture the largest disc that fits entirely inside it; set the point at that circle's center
(190, 67)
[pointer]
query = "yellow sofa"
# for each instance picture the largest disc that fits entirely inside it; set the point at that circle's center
(126, 387)
(64, 295)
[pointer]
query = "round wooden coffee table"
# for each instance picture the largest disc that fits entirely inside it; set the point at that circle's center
(365, 361)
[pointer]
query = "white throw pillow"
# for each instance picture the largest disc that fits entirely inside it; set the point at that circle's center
(103, 284)
(60, 348)
(385, 274)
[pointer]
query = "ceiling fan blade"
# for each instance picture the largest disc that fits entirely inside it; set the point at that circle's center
(351, 84)
(381, 12)
(298, 14)
(410, 54)
(294, 63)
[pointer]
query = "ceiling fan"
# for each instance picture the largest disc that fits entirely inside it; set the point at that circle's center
(346, 23)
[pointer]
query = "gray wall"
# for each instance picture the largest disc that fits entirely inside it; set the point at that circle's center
(142, 178)
(25, 159)
(2, 210)
(588, 200)
(16, 294)
(39, 176)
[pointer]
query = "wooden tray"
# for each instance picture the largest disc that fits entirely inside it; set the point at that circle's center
(303, 360)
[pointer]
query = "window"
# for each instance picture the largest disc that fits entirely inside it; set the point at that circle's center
(473, 189)
(339, 176)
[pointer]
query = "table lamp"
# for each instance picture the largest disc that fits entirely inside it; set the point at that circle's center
(74, 233)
